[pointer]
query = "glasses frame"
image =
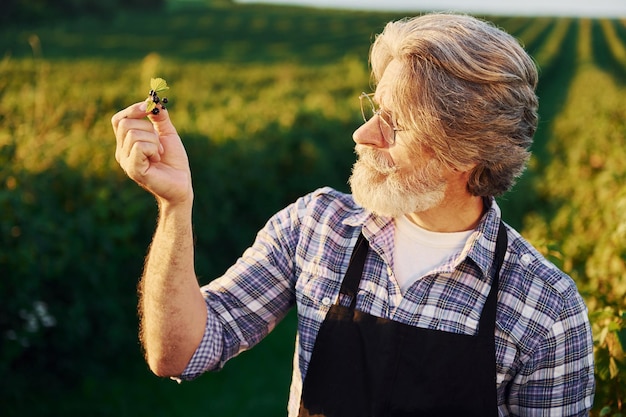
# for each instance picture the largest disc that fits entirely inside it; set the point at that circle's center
(391, 128)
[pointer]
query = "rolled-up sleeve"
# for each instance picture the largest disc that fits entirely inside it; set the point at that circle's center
(209, 351)
(254, 294)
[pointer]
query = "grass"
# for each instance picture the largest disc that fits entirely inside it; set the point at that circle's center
(255, 383)
(269, 88)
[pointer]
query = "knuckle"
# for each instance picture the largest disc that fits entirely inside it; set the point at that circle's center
(144, 148)
(122, 123)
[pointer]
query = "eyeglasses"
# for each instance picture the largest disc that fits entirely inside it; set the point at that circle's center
(386, 123)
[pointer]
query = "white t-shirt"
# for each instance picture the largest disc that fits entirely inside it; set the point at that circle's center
(418, 251)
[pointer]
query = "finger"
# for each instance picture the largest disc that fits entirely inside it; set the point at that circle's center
(162, 122)
(127, 127)
(134, 111)
(137, 160)
(144, 154)
(137, 164)
(138, 139)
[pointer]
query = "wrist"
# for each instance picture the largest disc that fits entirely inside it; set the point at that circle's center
(178, 208)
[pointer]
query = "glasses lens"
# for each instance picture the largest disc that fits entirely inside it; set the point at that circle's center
(368, 108)
(386, 128)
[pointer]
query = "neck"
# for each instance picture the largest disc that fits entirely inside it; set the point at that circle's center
(452, 215)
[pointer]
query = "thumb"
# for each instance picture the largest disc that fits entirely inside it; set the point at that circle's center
(161, 121)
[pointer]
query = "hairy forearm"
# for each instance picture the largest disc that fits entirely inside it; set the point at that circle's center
(172, 309)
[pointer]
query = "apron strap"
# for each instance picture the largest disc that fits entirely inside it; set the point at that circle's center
(487, 324)
(350, 284)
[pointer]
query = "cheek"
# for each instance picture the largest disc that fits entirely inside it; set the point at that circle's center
(402, 159)
(408, 154)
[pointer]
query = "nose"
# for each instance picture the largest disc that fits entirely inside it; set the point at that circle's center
(369, 134)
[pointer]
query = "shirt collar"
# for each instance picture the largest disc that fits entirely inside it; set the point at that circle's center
(378, 230)
(480, 246)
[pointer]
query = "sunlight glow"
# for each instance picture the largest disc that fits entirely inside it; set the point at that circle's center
(597, 8)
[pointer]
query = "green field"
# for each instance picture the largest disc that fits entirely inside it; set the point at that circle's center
(265, 98)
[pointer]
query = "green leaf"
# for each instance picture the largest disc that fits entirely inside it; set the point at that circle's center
(601, 337)
(621, 336)
(158, 84)
(614, 326)
(605, 411)
(613, 368)
(151, 104)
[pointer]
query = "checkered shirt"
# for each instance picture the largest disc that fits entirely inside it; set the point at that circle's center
(544, 348)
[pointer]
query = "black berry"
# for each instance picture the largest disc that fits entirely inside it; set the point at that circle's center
(155, 111)
(164, 100)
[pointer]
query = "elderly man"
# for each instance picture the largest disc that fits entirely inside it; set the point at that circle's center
(413, 297)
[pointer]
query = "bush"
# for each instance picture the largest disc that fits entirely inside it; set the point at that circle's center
(33, 11)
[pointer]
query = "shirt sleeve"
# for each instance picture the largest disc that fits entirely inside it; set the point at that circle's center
(207, 353)
(558, 379)
(247, 302)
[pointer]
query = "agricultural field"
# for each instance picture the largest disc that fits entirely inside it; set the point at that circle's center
(266, 99)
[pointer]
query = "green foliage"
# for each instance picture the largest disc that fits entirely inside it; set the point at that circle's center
(583, 214)
(609, 328)
(235, 34)
(29, 11)
(75, 230)
(265, 99)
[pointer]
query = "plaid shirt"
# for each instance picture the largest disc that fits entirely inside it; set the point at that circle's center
(544, 348)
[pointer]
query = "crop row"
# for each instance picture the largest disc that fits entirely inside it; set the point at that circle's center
(266, 100)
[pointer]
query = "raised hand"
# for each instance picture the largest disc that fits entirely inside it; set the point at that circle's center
(152, 154)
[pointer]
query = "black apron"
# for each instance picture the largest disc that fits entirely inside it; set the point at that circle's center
(366, 366)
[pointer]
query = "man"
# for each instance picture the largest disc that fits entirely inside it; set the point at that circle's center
(413, 298)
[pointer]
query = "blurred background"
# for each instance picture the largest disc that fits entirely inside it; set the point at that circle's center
(265, 97)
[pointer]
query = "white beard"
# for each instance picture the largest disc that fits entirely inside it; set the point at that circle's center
(382, 188)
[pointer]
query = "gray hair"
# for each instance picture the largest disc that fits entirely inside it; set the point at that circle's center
(467, 93)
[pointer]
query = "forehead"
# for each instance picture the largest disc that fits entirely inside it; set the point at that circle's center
(386, 84)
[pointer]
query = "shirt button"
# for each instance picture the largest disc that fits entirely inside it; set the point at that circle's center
(326, 301)
(526, 258)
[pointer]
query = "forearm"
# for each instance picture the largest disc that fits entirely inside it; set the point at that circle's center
(172, 309)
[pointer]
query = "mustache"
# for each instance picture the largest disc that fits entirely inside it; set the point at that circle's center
(374, 159)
